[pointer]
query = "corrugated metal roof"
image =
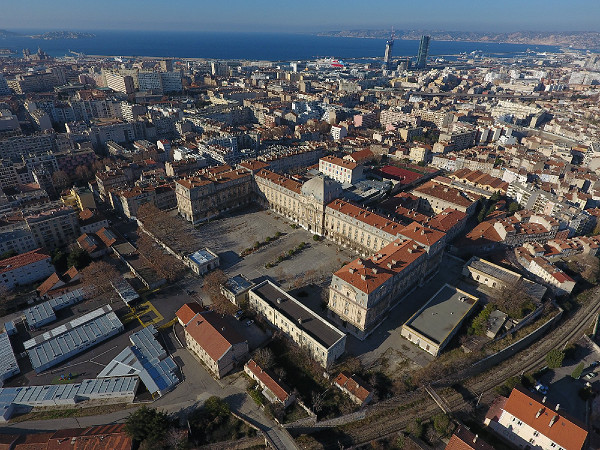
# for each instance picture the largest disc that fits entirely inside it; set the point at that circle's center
(69, 339)
(8, 361)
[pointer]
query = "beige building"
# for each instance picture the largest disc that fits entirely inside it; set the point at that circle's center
(212, 340)
(212, 192)
(323, 341)
(363, 291)
(436, 197)
(303, 203)
(341, 170)
(432, 327)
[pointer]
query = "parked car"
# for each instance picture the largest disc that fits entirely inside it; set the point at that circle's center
(595, 364)
(250, 322)
(238, 315)
(541, 388)
(589, 376)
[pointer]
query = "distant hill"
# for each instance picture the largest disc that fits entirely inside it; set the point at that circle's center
(6, 33)
(582, 39)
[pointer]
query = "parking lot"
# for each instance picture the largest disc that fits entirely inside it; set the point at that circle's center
(563, 389)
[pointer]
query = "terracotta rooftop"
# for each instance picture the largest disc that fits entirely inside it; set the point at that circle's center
(24, 259)
(546, 419)
(280, 180)
(353, 385)
(463, 439)
(339, 162)
(368, 274)
(446, 193)
(277, 388)
(212, 333)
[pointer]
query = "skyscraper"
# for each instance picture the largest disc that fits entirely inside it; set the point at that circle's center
(387, 59)
(423, 50)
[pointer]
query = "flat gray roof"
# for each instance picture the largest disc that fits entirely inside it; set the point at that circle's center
(317, 327)
(442, 313)
(202, 256)
(32, 395)
(238, 284)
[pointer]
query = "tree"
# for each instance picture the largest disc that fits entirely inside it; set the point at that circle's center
(441, 423)
(100, 274)
(83, 173)
(513, 207)
(61, 180)
(513, 300)
(78, 258)
(578, 371)
(8, 254)
(264, 357)
(147, 424)
(554, 358)
(212, 288)
(165, 264)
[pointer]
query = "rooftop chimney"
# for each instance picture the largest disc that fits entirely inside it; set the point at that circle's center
(475, 438)
(553, 420)
(539, 413)
(557, 406)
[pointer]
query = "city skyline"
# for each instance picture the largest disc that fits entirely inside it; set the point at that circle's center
(307, 16)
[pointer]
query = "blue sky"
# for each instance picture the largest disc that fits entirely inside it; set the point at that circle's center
(298, 16)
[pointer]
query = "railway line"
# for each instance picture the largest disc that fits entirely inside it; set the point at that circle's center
(390, 416)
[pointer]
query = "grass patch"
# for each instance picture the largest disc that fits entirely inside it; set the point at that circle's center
(66, 380)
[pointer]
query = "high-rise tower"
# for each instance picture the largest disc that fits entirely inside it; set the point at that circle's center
(423, 50)
(387, 58)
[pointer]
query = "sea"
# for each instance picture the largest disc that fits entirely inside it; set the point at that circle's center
(249, 46)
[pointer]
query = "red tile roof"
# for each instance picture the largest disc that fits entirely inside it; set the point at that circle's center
(544, 418)
(213, 334)
(463, 439)
(188, 311)
(353, 385)
(267, 380)
(368, 274)
(9, 264)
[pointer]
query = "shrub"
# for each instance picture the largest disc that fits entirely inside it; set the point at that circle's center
(554, 358)
(268, 239)
(441, 423)
(316, 237)
(577, 371)
(278, 234)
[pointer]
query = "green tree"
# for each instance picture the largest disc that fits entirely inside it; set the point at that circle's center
(554, 358)
(78, 258)
(513, 207)
(59, 260)
(441, 423)
(8, 254)
(578, 371)
(147, 424)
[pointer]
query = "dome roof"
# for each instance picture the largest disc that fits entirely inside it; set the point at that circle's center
(322, 189)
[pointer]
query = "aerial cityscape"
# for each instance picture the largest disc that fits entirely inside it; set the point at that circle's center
(291, 226)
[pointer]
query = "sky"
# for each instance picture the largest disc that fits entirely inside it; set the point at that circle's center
(301, 15)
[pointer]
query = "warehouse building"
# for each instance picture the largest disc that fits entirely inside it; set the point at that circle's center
(8, 362)
(109, 390)
(146, 359)
(45, 312)
(70, 339)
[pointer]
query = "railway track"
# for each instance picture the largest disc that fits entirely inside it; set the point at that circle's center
(393, 415)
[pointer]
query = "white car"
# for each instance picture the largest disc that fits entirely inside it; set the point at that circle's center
(541, 388)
